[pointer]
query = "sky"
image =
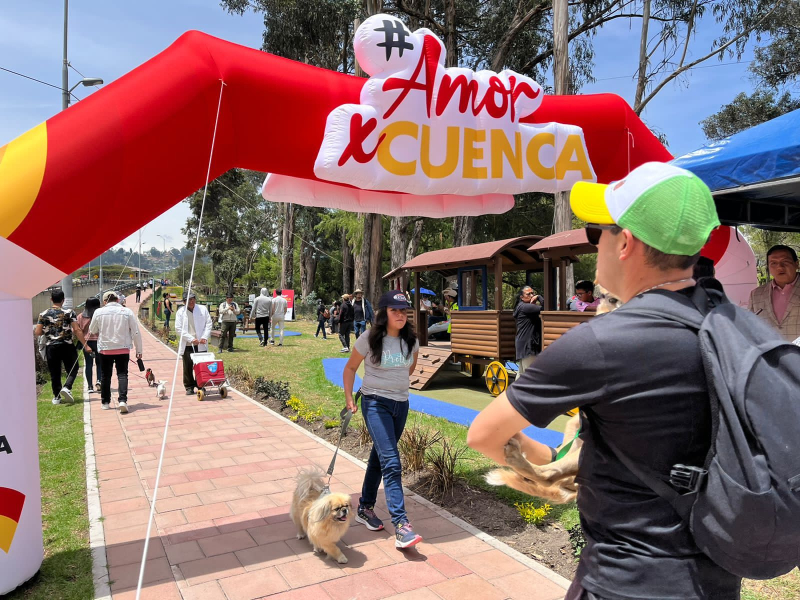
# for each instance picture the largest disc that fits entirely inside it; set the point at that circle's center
(108, 39)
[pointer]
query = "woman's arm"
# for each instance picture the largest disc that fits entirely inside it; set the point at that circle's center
(349, 378)
(498, 423)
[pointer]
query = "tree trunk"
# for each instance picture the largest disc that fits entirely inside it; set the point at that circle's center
(347, 265)
(641, 81)
(398, 240)
(287, 256)
(563, 212)
(376, 260)
(308, 268)
(463, 230)
(416, 237)
(362, 270)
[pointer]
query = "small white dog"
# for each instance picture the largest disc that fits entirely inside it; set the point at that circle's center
(161, 389)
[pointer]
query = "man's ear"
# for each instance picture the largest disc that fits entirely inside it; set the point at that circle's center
(626, 244)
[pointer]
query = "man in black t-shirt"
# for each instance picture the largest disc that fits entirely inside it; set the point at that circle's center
(639, 381)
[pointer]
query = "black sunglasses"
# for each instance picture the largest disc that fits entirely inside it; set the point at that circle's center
(594, 231)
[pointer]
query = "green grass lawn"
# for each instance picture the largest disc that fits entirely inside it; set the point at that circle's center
(66, 572)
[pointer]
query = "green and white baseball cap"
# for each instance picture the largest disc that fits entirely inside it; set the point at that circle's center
(664, 206)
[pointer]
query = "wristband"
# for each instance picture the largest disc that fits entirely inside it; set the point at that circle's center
(553, 453)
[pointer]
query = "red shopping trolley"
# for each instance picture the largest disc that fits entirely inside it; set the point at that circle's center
(209, 373)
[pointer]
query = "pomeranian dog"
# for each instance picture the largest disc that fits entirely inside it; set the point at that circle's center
(150, 377)
(554, 481)
(323, 518)
(161, 389)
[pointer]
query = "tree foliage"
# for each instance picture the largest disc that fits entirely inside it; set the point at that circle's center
(746, 111)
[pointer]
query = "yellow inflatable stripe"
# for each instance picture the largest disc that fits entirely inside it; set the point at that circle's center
(7, 530)
(21, 173)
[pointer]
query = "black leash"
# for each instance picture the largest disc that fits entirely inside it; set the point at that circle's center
(345, 415)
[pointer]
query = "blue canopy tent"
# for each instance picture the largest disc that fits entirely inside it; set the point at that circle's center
(754, 175)
(424, 291)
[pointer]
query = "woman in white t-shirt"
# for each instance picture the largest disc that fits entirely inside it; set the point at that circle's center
(389, 353)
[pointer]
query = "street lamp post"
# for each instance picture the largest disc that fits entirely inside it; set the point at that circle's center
(163, 257)
(66, 91)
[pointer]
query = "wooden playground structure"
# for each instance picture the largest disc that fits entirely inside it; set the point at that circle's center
(483, 333)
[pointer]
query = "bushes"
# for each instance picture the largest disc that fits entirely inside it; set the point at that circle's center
(442, 463)
(532, 514)
(414, 445)
(277, 390)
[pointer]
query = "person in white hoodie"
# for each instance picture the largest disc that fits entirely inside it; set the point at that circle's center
(193, 324)
(262, 307)
(117, 329)
(278, 314)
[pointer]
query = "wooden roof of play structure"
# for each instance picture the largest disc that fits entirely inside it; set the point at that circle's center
(513, 253)
(566, 244)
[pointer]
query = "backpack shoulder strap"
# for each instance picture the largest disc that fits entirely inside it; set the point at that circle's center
(681, 503)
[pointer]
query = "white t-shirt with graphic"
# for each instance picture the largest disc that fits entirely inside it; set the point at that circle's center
(390, 378)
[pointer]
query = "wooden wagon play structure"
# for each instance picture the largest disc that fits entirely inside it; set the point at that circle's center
(482, 332)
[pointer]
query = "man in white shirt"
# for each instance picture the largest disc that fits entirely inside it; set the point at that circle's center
(117, 329)
(262, 306)
(278, 314)
(193, 324)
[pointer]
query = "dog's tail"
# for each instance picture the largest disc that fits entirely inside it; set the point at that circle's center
(309, 483)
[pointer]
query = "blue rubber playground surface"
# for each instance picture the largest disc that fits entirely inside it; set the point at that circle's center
(334, 370)
(252, 335)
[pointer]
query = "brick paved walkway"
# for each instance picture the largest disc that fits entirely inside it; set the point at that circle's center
(222, 514)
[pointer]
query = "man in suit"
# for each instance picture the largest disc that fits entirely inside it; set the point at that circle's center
(778, 300)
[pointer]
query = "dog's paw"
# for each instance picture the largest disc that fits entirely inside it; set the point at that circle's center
(317, 550)
(301, 536)
(515, 458)
(342, 559)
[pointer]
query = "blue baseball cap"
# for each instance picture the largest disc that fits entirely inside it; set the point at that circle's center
(393, 299)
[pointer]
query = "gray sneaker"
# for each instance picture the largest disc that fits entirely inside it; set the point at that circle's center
(66, 395)
(367, 516)
(106, 406)
(56, 400)
(190, 391)
(404, 536)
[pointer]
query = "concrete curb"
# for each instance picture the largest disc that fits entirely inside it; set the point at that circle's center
(97, 541)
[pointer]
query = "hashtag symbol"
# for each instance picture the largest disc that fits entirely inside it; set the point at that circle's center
(390, 30)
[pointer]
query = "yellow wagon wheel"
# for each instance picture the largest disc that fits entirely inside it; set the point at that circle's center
(201, 394)
(496, 378)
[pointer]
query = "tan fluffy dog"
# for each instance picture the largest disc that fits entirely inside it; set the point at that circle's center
(324, 518)
(554, 481)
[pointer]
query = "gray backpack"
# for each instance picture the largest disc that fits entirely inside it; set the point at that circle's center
(743, 504)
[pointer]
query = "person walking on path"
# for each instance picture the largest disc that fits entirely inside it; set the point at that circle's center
(345, 322)
(262, 307)
(528, 341)
(117, 329)
(362, 313)
(277, 316)
(167, 310)
(59, 325)
(90, 353)
(389, 353)
(138, 292)
(228, 312)
(637, 376)
(193, 324)
(322, 316)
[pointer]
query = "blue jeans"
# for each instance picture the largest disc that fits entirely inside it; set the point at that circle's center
(385, 420)
(360, 327)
